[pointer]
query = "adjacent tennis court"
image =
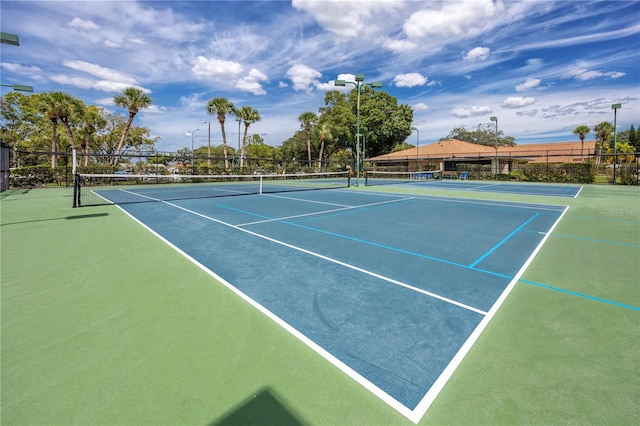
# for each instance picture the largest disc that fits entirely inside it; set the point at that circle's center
(480, 309)
(436, 180)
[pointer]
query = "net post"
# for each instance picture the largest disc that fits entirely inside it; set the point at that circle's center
(260, 191)
(76, 190)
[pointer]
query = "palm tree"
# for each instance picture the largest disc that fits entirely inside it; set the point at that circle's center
(325, 133)
(248, 115)
(307, 121)
(93, 120)
(70, 109)
(581, 131)
(603, 134)
(221, 107)
(49, 104)
(134, 100)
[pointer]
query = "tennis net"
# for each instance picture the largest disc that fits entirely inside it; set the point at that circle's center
(390, 178)
(100, 189)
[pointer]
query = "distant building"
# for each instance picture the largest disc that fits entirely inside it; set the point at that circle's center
(446, 154)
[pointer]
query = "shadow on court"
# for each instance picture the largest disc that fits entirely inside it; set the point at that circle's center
(74, 217)
(263, 408)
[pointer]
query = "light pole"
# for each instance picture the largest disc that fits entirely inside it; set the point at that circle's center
(240, 120)
(615, 108)
(193, 158)
(417, 146)
(358, 83)
(495, 172)
(208, 147)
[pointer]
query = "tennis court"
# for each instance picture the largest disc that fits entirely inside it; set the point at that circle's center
(436, 180)
(391, 288)
(388, 288)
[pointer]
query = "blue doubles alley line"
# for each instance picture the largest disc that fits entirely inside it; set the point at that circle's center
(507, 238)
(586, 296)
(382, 246)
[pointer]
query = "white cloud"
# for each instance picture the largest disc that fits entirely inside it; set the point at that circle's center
(348, 18)
(517, 102)
(86, 25)
(99, 71)
(20, 69)
(399, 46)
(303, 77)
(471, 111)
(527, 113)
(83, 83)
(410, 80)
(478, 54)
(420, 106)
(251, 82)
(529, 83)
(582, 73)
(204, 68)
(88, 83)
(452, 19)
(615, 74)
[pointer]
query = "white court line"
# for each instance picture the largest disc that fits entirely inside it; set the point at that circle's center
(419, 411)
(446, 374)
(321, 212)
(329, 259)
(481, 186)
(413, 415)
(354, 375)
(306, 201)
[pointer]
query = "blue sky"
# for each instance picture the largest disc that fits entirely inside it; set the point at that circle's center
(541, 67)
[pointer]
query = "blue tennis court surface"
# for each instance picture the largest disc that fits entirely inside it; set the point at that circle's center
(393, 290)
(548, 190)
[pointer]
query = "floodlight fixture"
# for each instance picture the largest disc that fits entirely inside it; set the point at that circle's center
(11, 39)
(19, 87)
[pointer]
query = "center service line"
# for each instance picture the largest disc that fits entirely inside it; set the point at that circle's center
(329, 259)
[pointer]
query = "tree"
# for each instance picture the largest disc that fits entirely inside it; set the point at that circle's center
(402, 146)
(49, 105)
(325, 130)
(107, 137)
(604, 131)
(22, 123)
(220, 107)
(482, 135)
(634, 140)
(383, 122)
(294, 148)
(307, 121)
(248, 115)
(261, 153)
(134, 100)
(70, 109)
(581, 131)
(93, 121)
